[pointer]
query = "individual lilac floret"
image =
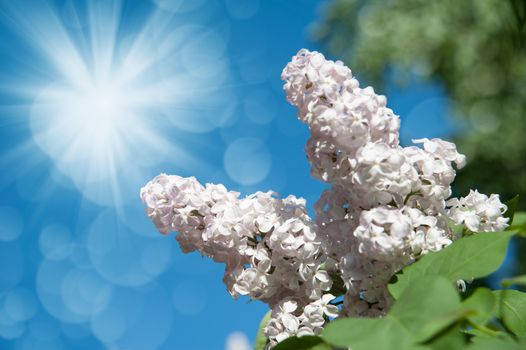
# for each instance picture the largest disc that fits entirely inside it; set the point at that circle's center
(478, 212)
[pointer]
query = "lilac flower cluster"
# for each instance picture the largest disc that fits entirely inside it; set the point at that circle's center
(269, 245)
(387, 206)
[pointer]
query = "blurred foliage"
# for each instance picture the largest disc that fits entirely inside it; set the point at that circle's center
(475, 48)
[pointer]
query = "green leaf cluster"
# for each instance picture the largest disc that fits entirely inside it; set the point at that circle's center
(430, 313)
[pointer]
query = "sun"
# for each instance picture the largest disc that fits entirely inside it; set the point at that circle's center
(113, 102)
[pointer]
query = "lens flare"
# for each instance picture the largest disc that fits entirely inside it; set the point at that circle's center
(107, 95)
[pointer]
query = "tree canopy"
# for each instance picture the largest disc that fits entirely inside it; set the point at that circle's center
(476, 49)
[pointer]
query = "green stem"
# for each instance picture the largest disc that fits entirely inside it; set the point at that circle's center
(484, 329)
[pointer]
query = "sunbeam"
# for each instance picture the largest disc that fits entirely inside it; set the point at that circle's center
(106, 97)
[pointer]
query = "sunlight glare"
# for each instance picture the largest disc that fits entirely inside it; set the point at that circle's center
(102, 103)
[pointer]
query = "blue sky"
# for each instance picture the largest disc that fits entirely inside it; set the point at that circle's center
(98, 97)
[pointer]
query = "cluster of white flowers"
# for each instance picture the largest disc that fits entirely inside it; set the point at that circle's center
(387, 206)
(269, 245)
(287, 319)
(478, 213)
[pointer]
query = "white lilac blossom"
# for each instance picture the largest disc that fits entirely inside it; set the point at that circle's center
(288, 319)
(387, 206)
(269, 245)
(478, 212)
(398, 236)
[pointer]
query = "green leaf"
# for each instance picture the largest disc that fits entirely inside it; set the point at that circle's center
(367, 333)
(512, 206)
(492, 343)
(519, 280)
(430, 305)
(439, 324)
(261, 339)
(467, 258)
(457, 229)
(307, 342)
(482, 302)
(519, 223)
(450, 338)
(511, 306)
